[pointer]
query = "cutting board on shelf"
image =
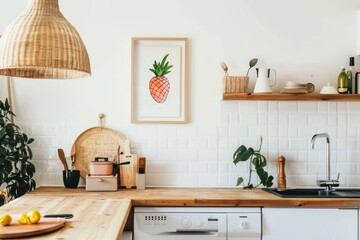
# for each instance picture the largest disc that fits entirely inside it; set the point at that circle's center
(16, 230)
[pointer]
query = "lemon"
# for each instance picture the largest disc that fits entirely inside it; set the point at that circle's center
(5, 220)
(23, 219)
(34, 216)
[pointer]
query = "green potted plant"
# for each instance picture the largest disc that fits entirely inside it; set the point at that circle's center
(258, 161)
(16, 170)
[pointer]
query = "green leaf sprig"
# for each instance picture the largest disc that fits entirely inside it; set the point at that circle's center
(243, 154)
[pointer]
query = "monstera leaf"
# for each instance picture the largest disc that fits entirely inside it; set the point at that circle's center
(257, 160)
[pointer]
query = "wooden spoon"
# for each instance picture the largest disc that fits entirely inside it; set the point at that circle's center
(63, 159)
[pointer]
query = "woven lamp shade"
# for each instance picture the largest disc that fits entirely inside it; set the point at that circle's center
(41, 43)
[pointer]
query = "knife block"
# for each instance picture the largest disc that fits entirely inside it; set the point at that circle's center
(128, 172)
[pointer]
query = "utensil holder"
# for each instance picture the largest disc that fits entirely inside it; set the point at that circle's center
(140, 181)
(71, 178)
(235, 84)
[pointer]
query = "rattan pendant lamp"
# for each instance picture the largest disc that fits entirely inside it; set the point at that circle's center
(42, 44)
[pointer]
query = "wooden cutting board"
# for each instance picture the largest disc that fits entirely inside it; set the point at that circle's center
(96, 142)
(16, 230)
(128, 172)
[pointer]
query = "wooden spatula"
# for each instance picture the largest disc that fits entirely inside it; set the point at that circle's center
(63, 159)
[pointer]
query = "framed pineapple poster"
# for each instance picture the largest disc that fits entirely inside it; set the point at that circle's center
(159, 80)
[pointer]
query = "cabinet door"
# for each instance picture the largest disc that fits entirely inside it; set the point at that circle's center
(309, 223)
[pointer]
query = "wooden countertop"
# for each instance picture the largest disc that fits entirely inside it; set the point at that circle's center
(201, 197)
(94, 217)
(102, 215)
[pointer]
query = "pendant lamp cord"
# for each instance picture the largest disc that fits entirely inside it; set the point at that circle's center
(10, 99)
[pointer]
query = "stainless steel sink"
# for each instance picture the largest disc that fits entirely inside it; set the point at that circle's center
(314, 193)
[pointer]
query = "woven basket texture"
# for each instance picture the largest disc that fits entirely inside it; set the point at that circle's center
(235, 84)
(41, 43)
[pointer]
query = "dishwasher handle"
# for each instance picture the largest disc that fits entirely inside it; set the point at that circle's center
(195, 233)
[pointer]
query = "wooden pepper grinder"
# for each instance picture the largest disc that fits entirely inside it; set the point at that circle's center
(281, 175)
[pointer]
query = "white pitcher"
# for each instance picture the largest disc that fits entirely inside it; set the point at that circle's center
(262, 84)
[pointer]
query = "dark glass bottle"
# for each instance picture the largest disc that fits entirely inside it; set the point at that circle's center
(349, 74)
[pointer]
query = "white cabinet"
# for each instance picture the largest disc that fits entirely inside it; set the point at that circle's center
(309, 223)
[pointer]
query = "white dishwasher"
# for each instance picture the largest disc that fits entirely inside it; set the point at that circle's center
(197, 223)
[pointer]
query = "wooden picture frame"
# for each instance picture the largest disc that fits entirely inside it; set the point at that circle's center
(159, 80)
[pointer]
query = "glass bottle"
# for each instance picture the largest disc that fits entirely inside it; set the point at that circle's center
(349, 74)
(343, 82)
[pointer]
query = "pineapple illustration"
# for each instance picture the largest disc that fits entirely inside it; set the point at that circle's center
(159, 85)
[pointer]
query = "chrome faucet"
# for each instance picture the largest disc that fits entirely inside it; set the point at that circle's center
(328, 183)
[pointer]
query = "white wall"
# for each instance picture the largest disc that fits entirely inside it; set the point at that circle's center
(304, 40)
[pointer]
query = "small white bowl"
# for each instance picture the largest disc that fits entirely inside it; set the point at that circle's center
(329, 90)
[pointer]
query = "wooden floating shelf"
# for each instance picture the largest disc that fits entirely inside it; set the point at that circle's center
(291, 97)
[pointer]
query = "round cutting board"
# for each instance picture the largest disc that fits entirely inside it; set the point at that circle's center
(96, 142)
(16, 230)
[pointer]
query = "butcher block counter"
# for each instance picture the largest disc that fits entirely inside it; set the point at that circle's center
(102, 215)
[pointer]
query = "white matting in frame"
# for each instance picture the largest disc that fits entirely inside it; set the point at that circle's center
(159, 80)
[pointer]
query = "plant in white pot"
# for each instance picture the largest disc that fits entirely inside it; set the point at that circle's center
(257, 160)
(16, 170)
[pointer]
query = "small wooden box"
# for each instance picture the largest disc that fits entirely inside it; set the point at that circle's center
(102, 183)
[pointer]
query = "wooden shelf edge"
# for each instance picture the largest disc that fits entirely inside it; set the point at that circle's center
(291, 97)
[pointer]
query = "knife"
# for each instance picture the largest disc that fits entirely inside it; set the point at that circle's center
(66, 216)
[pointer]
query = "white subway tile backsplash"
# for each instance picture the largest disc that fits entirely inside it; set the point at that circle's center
(229, 107)
(273, 131)
(353, 120)
(273, 119)
(317, 119)
(198, 167)
(288, 106)
(208, 180)
(283, 119)
(353, 180)
(223, 131)
(223, 167)
(207, 131)
(213, 167)
(308, 107)
(208, 154)
(283, 144)
(263, 118)
(247, 106)
(263, 106)
(167, 155)
(223, 143)
(297, 168)
(183, 143)
(213, 143)
(247, 118)
(257, 131)
(167, 131)
(346, 168)
(341, 107)
(298, 144)
(224, 118)
(201, 155)
(147, 131)
(273, 106)
(234, 118)
(188, 155)
(322, 107)
(238, 131)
